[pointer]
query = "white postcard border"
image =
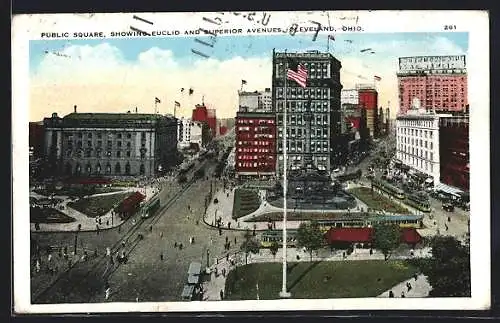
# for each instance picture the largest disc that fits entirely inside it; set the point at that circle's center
(25, 28)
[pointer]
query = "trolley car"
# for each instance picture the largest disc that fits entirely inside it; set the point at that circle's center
(403, 221)
(388, 188)
(417, 202)
(269, 236)
(150, 207)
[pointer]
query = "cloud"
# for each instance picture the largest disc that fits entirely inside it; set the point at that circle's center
(99, 78)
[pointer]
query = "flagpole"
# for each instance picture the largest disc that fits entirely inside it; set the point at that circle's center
(284, 293)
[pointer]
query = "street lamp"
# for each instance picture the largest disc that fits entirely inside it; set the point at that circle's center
(208, 258)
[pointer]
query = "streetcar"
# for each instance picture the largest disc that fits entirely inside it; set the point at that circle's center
(388, 188)
(150, 207)
(417, 202)
(404, 221)
(269, 236)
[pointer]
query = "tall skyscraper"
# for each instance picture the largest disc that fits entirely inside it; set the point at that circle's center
(439, 82)
(313, 113)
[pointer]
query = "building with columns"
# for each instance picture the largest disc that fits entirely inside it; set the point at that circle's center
(110, 144)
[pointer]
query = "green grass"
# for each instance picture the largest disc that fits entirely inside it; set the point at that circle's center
(376, 201)
(329, 279)
(48, 215)
(98, 205)
(245, 202)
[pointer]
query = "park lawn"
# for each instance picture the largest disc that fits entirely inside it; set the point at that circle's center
(328, 279)
(245, 202)
(376, 201)
(48, 215)
(95, 206)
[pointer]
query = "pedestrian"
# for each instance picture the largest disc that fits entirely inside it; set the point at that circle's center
(402, 294)
(371, 251)
(150, 228)
(415, 276)
(175, 244)
(227, 256)
(408, 285)
(234, 240)
(221, 294)
(220, 231)
(391, 294)
(107, 292)
(161, 256)
(192, 239)
(180, 246)
(123, 244)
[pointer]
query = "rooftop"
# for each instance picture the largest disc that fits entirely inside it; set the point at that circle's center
(113, 116)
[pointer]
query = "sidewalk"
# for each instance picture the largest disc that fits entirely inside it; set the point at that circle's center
(87, 223)
(420, 287)
(212, 288)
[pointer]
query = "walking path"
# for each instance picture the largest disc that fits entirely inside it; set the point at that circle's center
(224, 210)
(212, 288)
(420, 287)
(108, 220)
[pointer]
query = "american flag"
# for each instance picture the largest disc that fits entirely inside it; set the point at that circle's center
(297, 72)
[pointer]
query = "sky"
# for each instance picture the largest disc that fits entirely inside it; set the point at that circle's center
(117, 75)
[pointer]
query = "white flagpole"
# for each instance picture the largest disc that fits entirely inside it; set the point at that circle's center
(284, 293)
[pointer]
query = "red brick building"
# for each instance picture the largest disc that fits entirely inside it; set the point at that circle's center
(439, 82)
(255, 144)
(368, 100)
(222, 130)
(454, 151)
(208, 116)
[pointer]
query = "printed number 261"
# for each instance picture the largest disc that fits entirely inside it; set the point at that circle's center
(450, 27)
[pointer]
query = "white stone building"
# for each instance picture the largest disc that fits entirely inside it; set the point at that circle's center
(189, 132)
(350, 96)
(417, 141)
(257, 101)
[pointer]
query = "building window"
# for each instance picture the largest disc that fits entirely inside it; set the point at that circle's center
(89, 143)
(99, 136)
(119, 154)
(119, 144)
(89, 135)
(128, 153)
(118, 168)
(127, 169)
(129, 135)
(119, 136)
(142, 169)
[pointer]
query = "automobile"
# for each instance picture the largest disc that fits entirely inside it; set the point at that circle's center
(448, 207)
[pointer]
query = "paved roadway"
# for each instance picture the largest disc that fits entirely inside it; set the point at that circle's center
(457, 226)
(145, 276)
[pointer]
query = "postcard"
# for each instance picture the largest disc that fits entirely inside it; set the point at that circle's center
(251, 161)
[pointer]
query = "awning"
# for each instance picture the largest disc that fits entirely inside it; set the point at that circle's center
(194, 268)
(448, 189)
(349, 235)
(410, 235)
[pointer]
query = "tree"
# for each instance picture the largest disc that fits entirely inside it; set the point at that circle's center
(386, 238)
(274, 248)
(249, 245)
(310, 237)
(448, 270)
